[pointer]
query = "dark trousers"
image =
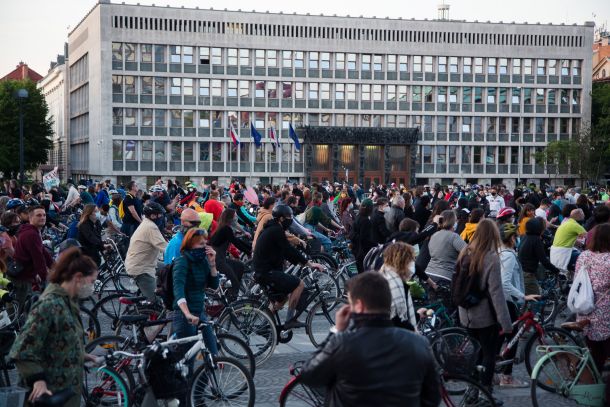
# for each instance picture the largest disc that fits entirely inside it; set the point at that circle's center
(129, 228)
(488, 338)
(600, 352)
(234, 270)
(513, 310)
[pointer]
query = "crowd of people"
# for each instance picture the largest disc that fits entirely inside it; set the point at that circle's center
(500, 238)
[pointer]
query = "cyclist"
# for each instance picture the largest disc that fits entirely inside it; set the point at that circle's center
(188, 219)
(563, 252)
(505, 215)
(368, 361)
(146, 243)
(272, 249)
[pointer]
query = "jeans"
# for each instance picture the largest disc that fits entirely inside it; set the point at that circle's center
(183, 329)
(147, 285)
(326, 242)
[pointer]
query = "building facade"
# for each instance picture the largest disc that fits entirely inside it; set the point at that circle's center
(54, 89)
(154, 92)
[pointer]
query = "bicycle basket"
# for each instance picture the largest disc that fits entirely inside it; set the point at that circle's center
(165, 379)
(457, 353)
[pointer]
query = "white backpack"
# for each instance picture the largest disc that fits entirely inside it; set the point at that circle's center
(581, 299)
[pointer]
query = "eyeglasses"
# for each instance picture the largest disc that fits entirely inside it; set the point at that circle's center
(194, 222)
(200, 232)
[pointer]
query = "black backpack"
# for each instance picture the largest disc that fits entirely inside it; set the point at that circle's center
(165, 284)
(466, 291)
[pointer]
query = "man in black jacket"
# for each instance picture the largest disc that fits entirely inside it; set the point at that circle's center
(271, 250)
(380, 232)
(422, 211)
(367, 361)
(532, 253)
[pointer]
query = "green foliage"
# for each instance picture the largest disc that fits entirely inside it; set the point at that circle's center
(37, 128)
(587, 153)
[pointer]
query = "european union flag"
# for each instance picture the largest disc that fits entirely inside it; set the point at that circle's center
(293, 136)
(255, 135)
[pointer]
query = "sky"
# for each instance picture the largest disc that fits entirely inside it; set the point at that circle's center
(34, 31)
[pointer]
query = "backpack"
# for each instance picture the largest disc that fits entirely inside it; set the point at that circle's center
(374, 258)
(466, 291)
(121, 211)
(581, 297)
(165, 283)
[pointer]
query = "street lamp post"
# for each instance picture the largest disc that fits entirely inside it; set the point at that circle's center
(22, 94)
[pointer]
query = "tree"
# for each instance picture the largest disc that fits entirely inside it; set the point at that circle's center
(588, 152)
(37, 128)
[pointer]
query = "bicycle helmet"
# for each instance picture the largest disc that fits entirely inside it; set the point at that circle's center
(14, 203)
(281, 210)
(153, 208)
(505, 213)
(507, 230)
(32, 202)
(68, 243)
(156, 188)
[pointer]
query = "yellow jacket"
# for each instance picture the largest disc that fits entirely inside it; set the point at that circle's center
(468, 231)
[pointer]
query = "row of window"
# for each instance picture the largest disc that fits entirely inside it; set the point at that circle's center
(149, 85)
(345, 33)
(177, 118)
(177, 54)
(489, 155)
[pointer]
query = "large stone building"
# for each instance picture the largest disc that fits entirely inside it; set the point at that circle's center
(54, 89)
(154, 91)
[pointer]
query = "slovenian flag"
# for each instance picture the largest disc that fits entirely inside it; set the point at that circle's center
(255, 135)
(234, 135)
(293, 136)
(274, 137)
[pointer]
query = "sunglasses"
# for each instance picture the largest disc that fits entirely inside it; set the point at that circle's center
(194, 222)
(200, 232)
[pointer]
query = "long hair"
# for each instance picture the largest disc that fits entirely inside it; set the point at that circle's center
(485, 239)
(344, 204)
(226, 218)
(87, 212)
(399, 255)
(438, 208)
(526, 208)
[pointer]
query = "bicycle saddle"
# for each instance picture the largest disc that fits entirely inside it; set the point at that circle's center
(133, 319)
(58, 399)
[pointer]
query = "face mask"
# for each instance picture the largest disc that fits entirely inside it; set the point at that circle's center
(198, 254)
(350, 206)
(455, 225)
(494, 193)
(159, 222)
(98, 216)
(85, 291)
(12, 230)
(286, 223)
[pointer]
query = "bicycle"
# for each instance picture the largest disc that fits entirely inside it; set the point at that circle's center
(162, 376)
(567, 372)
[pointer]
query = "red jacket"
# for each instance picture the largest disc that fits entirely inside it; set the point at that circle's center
(31, 254)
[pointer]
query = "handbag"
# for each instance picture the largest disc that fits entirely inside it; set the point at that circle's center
(13, 267)
(581, 298)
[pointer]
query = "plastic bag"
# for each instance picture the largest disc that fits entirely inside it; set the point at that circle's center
(581, 298)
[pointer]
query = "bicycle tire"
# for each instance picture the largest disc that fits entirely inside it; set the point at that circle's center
(306, 396)
(121, 283)
(553, 336)
(244, 355)
(319, 321)
(549, 376)
(239, 320)
(449, 341)
(472, 389)
(92, 398)
(226, 368)
(324, 258)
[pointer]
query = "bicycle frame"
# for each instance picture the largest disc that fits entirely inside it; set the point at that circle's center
(585, 394)
(529, 320)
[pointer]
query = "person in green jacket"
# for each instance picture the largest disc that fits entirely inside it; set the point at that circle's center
(193, 272)
(49, 351)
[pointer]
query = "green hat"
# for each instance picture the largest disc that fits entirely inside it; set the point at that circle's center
(367, 202)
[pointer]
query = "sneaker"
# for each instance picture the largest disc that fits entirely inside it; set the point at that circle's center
(294, 324)
(510, 382)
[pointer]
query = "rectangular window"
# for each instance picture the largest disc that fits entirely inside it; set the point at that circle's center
(216, 87)
(391, 93)
(147, 117)
(442, 64)
(339, 60)
(160, 118)
(403, 92)
(404, 63)
(299, 90)
(565, 67)
(175, 54)
(146, 51)
(377, 63)
(204, 55)
(117, 116)
(441, 154)
(244, 57)
(366, 62)
(552, 67)
(467, 65)
(541, 67)
(175, 118)
(160, 54)
(299, 59)
(232, 88)
(204, 118)
(244, 89)
(466, 124)
(217, 122)
(478, 95)
(351, 62)
(187, 87)
(429, 64)
(325, 60)
(259, 57)
(417, 63)
(216, 56)
(492, 66)
(539, 125)
(514, 155)
(551, 97)
(272, 90)
(314, 58)
(515, 125)
(427, 154)
(576, 68)
(272, 58)
(188, 117)
(453, 154)
(117, 52)
(286, 59)
(117, 84)
(540, 96)
(503, 66)
(453, 65)
(130, 85)
(466, 155)
(377, 94)
(527, 96)
(391, 63)
(204, 87)
(325, 91)
(503, 96)
(313, 90)
(416, 93)
(476, 155)
(441, 96)
(232, 57)
(527, 67)
(147, 86)
(187, 55)
(131, 117)
(365, 92)
(491, 95)
(130, 52)
(478, 65)
(175, 87)
(467, 95)
(575, 97)
(516, 96)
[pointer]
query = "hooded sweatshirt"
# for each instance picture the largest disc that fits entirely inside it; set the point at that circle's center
(531, 249)
(263, 216)
(468, 232)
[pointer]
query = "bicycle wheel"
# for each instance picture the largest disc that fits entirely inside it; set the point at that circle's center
(555, 373)
(91, 326)
(228, 384)
(105, 387)
(120, 283)
(470, 393)
(552, 336)
(234, 347)
(108, 309)
(296, 393)
(252, 324)
(320, 319)
(456, 353)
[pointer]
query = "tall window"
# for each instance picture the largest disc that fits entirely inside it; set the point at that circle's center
(286, 59)
(314, 60)
(417, 64)
(478, 65)
(175, 54)
(492, 66)
(377, 63)
(453, 65)
(442, 64)
(366, 62)
(325, 60)
(232, 56)
(188, 55)
(404, 63)
(339, 60)
(244, 57)
(391, 63)
(259, 57)
(429, 64)
(467, 65)
(351, 62)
